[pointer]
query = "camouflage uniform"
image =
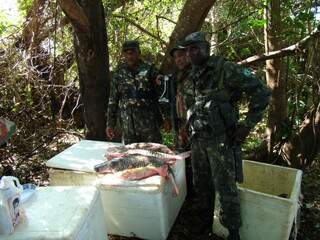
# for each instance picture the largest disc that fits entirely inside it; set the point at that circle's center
(177, 103)
(211, 95)
(180, 107)
(135, 97)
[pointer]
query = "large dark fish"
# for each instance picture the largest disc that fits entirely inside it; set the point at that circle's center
(150, 153)
(157, 147)
(137, 167)
(148, 149)
(129, 162)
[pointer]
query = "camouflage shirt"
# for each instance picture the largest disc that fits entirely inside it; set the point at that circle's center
(130, 88)
(181, 80)
(213, 89)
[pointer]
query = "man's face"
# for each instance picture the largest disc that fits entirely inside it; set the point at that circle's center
(131, 57)
(195, 54)
(180, 59)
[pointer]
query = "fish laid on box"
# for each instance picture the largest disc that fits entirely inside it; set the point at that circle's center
(137, 166)
(146, 149)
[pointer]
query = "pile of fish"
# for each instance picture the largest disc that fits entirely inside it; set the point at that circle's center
(149, 149)
(141, 160)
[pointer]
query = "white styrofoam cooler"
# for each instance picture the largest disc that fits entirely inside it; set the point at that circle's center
(269, 202)
(62, 213)
(145, 208)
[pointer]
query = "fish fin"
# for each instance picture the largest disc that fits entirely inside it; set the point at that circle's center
(162, 171)
(185, 155)
(175, 189)
(170, 170)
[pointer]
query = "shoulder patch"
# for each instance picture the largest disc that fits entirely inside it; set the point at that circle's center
(246, 72)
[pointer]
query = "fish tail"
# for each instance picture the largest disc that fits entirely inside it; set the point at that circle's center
(175, 189)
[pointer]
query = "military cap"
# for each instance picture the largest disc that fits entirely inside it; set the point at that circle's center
(195, 37)
(132, 44)
(178, 46)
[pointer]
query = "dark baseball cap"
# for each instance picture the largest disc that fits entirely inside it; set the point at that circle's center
(195, 37)
(132, 44)
(178, 46)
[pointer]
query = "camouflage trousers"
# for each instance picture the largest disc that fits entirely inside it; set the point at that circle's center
(213, 169)
(139, 124)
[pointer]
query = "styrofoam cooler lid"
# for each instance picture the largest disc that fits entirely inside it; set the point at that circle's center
(56, 213)
(82, 156)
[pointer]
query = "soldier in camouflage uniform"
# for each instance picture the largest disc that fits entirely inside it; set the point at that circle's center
(178, 54)
(134, 95)
(212, 99)
(178, 109)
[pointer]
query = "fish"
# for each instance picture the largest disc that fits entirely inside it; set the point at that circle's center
(127, 162)
(137, 167)
(144, 152)
(146, 149)
(149, 171)
(155, 147)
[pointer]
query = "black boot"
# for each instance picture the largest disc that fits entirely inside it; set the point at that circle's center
(234, 234)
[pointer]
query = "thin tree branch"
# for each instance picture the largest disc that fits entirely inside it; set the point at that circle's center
(158, 32)
(293, 49)
(141, 28)
(168, 19)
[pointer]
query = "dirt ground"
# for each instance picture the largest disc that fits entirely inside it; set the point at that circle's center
(309, 219)
(35, 171)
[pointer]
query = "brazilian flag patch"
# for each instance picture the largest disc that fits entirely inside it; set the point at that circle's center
(246, 72)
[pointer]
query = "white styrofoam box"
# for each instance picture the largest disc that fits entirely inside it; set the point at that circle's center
(146, 211)
(269, 202)
(144, 208)
(62, 213)
(81, 156)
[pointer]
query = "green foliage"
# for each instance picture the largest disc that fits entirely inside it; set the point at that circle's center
(4, 22)
(148, 15)
(168, 138)
(297, 21)
(251, 144)
(24, 6)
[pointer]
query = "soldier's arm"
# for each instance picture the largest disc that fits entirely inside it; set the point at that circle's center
(154, 75)
(113, 104)
(242, 79)
(162, 111)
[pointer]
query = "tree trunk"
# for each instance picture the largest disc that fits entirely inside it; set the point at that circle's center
(278, 103)
(214, 21)
(303, 147)
(190, 20)
(31, 35)
(90, 42)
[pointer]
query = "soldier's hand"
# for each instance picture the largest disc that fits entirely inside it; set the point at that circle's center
(240, 134)
(110, 132)
(158, 80)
